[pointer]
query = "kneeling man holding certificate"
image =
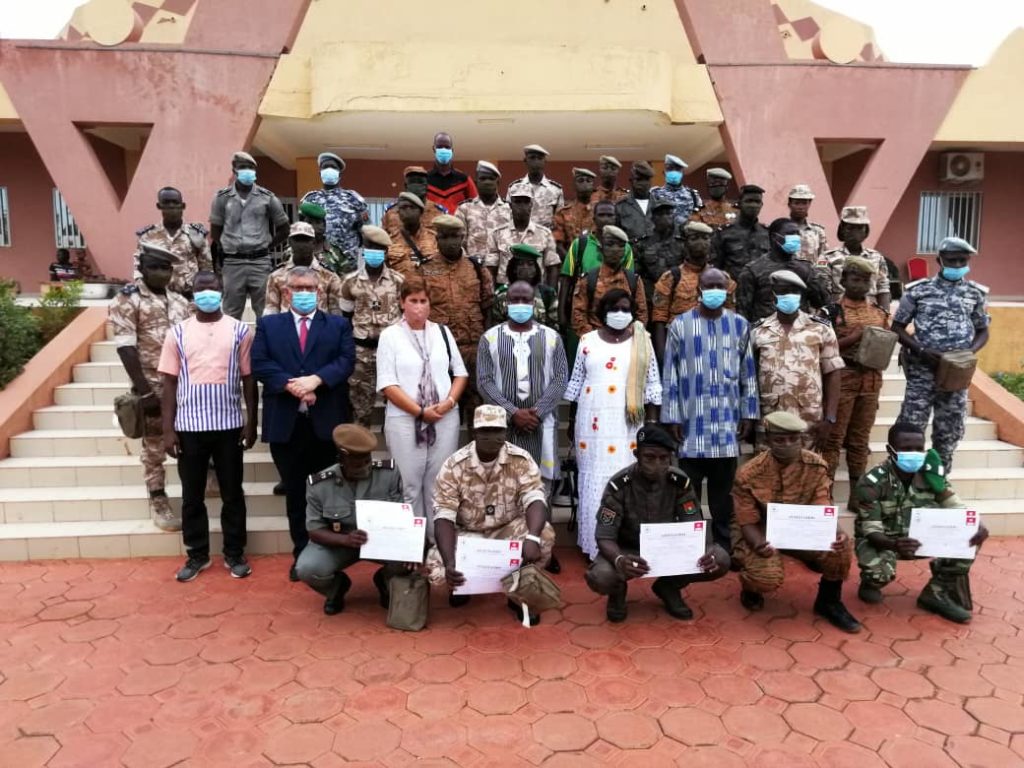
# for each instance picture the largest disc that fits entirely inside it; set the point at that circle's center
(783, 481)
(906, 510)
(650, 524)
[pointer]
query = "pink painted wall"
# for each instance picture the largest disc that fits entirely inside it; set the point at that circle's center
(29, 195)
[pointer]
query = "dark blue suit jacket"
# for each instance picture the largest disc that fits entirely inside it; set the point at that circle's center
(330, 354)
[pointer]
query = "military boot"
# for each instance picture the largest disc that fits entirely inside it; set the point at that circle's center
(938, 597)
(335, 602)
(381, 582)
(829, 605)
(961, 591)
(616, 610)
(672, 598)
(869, 593)
(164, 518)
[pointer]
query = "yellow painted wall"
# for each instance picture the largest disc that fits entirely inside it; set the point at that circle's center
(7, 111)
(1005, 349)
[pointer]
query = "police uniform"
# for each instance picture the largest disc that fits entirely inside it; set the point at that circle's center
(347, 211)
(188, 244)
(755, 298)
(738, 244)
(657, 253)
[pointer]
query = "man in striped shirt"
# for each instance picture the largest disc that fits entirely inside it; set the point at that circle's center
(710, 403)
(206, 370)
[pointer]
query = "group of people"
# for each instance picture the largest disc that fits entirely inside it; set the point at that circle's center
(675, 324)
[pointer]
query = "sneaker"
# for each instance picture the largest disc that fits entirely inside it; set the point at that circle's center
(192, 568)
(164, 518)
(238, 566)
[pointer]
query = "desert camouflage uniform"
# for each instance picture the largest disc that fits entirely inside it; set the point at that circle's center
(754, 295)
(571, 221)
(947, 316)
(813, 244)
(189, 244)
(346, 213)
(674, 295)
(687, 200)
(328, 293)
(547, 198)
(763, 480)
(488, 503)
(583, 318)
(735, 246)
(879, 283)
(392, 224)
(481, 221)
(374, 306)
(503, 238)
(616, 194)
(716, 213)
(140, 318)
(402, 258)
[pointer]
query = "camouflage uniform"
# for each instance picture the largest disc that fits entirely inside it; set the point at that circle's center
(657, 254)
(140, 318)
(481, 221)
(189, 244)
(687, 200)
(716, 213)
(547, 198)
(392, 224)
(583, 318)
(327, 296)
(374, 306)
(488, 503)
(813, 244)
(403, 259)
(754, 295)
(616, 194)
(503, 238)
(761, 481)
(679, 291)
(736, 245)
(879, 283)
(947, 316)
(791, 365)
(346, 213)
(858, 393)
(571, 221)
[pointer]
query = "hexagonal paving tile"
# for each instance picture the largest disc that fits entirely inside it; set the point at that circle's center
(629, 730)
(370, 741)
(692, 727)
(817, 721)
(564, 732)
(299, 743)
(496, 697)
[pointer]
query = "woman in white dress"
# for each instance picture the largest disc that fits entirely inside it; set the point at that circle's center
(615, 387)
(422, 376)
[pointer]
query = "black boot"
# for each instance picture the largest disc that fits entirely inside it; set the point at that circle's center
(457, 601)
(616, 610)
(381, 583)
(553, 565)
(752, 601)
(829, 605)
(672, 598)
(518, 611)
(335, 602)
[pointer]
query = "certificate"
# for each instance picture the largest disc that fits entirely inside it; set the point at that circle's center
(392, 531)
(944, 532)
(485, 562)
(801, 526)
(672, 549)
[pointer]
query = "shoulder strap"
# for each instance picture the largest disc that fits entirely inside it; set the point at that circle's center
(581, 246)
(591, 285)
(677, 275)
(631, 279)
(447, 349)
(415, 249)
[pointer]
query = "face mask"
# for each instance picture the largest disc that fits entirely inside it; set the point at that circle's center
(909, 461)
(520, 313)
(246, 176)
(674, 178)
(417, 313)
(788, 303)
(791, 244)
(443, 155)
(713, 298)
(373, 258)
(207, 301)
(330, 176)
(618, 320)
(955, 273)
(304, 302)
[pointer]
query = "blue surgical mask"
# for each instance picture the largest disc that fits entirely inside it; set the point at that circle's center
(791, 244)
(520, 313)
(955, 273)
(207, 301)
(787, 303)
(330, 176)
(304, 302)
(618, 320)
(373, 257)
(674, 178)
(713, 298)
(246, 176)
(909, 461)
(443, 155)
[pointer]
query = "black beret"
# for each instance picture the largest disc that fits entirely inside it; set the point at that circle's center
(653, 435)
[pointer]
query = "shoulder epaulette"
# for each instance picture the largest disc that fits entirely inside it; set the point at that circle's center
(819, 319)
(678, 477)
(197, 227)
(129, 289)
(144, 230)
(908, 286)
(760, 322)
(384, 464)
(223, 191)
(326, 474)
(979, 286)
(555, 183)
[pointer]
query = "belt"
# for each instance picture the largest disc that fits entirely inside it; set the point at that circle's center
(367, 343)
(248, 254)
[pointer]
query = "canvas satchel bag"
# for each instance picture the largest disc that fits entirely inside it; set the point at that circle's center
(409, 602)
(532, 589)
(875, 348)
(956, 369)
(130, 415)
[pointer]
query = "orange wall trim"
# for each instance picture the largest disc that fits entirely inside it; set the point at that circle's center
(994, 403)
(50, 368)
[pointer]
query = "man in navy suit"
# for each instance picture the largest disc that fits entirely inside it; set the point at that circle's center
(303, 358)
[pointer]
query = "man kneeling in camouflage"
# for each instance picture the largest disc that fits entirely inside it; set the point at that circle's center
(885, 496)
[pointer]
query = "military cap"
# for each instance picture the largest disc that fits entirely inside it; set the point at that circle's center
(520, 190)
(375, 236)
(312, 210)
(157, 253)
(490, 416)
(801, 192)
(784, 421)
(642, 168)
(535, 148)
(414, 199)
(751, 189)
(698, 226)
(522, 249)
(618, 234)
(301, 229)
(675, 160)
(414, 170)
(354, 438)
(787, 277)
(956, 245)
(483, 165)
(243, 157)
(584, 172)
(329, 156)
(857, 264)
(719, 173)
(660, 201)
(611, 160)
(446, 221)
(651, 435)
(855, 214)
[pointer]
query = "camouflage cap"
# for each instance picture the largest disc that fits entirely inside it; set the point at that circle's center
(414, 170)
(522, 249)
(301, 229)
(698, 226)
(375, 236)
(584, 172)
(859, 265)
(448, 222)
(483, 165)
(535, 148)
(855, 214)
(243, 157)
(956, 245)
(618, 234)
(353, 438)
(610, 160)
(159, 254)
(651, 435)
(312, 210)
(801, 192)
(329, 156)
(788, 277)
(520, 189)
(784, 421)
(411, 198)
(490, 416)
(719, 173)
(675, 160)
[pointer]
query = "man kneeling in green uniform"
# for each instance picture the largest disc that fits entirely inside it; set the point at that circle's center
(651, 490)
(885, 496)
(334, 538)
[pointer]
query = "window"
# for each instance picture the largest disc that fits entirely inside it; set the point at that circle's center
(65, 230)
(5, 219)
(948, 214)
(377, 206)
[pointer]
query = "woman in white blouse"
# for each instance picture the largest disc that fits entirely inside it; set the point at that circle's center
(422, 376)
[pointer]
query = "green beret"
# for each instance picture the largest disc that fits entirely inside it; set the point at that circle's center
(522, 249)
(312, 210)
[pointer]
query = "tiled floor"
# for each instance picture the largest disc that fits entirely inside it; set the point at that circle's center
(111, 663)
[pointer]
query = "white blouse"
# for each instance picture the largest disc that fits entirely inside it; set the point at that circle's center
(399, 362)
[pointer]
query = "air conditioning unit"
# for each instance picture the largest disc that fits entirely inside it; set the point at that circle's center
(958, 167)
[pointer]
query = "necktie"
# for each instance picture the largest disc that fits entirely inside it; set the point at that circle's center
(303, 332)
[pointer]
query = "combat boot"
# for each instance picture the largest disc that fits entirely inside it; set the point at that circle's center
(869, 593)
(672, 598)
(616, 610)
(937, 597)
(160, 510)
(381, 582)
(829, 605)
(335, 602)
(960, 591)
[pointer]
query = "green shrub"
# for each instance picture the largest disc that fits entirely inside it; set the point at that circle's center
(19, 334)
(1012, 383)
(57, 308)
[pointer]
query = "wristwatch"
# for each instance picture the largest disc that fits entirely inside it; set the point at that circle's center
(830, 419)
(535, 539)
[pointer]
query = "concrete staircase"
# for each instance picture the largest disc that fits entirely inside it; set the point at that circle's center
(73, 485)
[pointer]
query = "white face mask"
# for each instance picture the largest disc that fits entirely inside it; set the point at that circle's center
(618, 320)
